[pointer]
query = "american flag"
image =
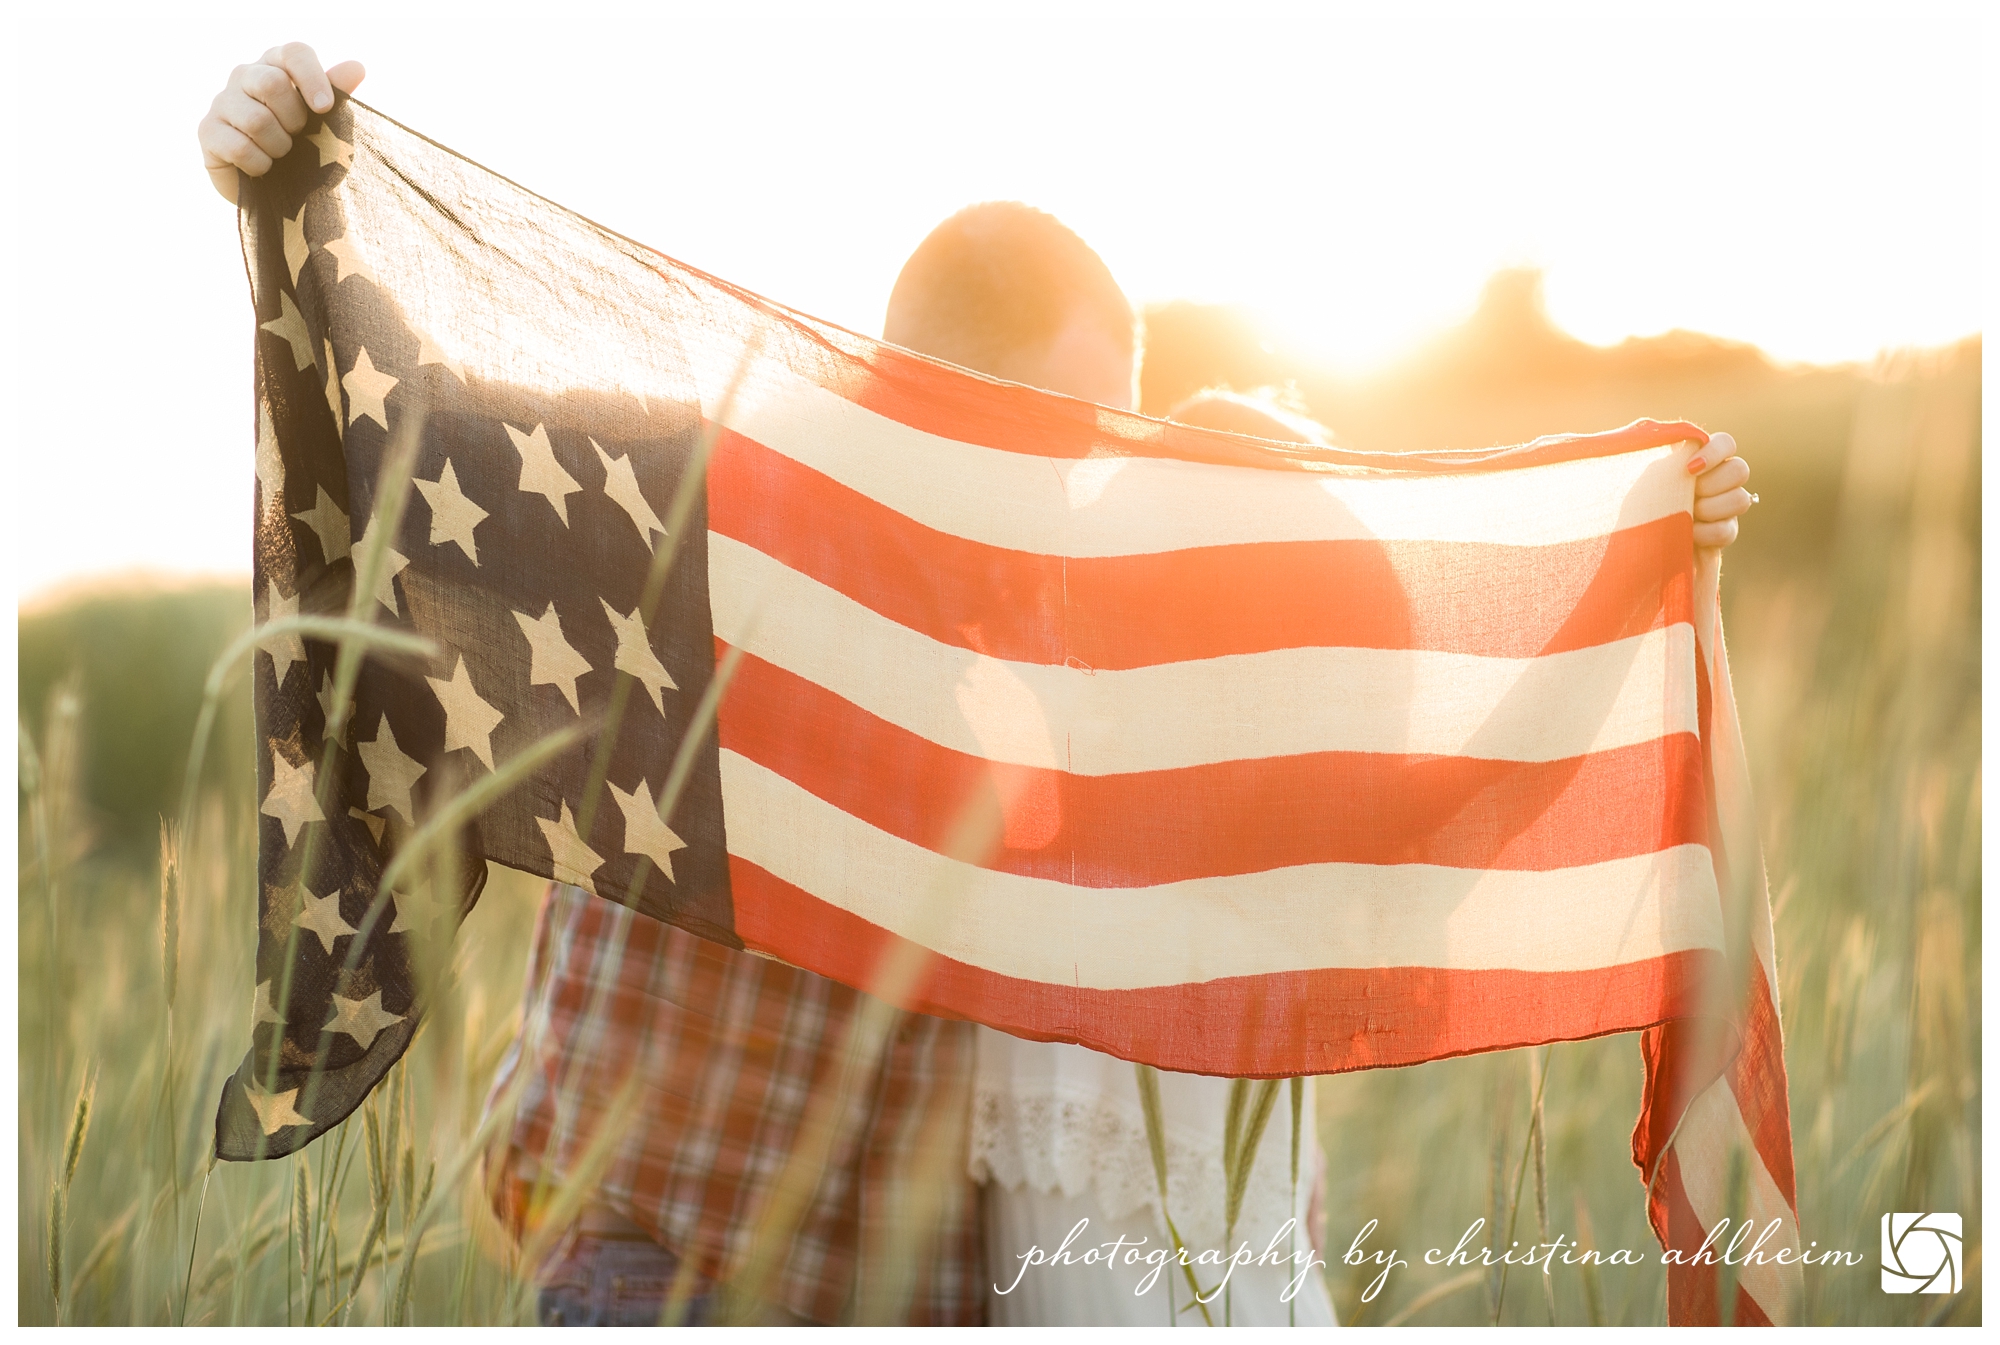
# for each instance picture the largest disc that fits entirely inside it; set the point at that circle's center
(1222, 755)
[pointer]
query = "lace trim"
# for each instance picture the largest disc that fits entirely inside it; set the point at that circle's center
(1059, 1145)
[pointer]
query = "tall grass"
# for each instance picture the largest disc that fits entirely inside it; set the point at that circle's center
(1852, 614)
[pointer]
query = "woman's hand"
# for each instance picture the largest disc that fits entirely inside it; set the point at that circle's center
(250, 124)
(1719, 496)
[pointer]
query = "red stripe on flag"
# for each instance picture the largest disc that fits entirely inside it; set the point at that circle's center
(1748, 1311)
(1757, 1077)
(1692, 1289)
(1757, 1074)
(1149, 827)
(1352, 1018)
(1681, 1059)
(942, 400)
(1113, 612)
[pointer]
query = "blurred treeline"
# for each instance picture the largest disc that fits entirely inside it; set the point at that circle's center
(136, 653)
(1851, 604)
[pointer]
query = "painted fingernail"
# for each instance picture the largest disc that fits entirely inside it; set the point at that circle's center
(1696, 464)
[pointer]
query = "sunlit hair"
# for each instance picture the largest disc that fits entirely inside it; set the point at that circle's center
(1257, 413)
(998, 282)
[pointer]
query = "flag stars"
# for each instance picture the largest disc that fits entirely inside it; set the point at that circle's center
(285, 650)
(291, 325)
(346, 260)
(468, 720)
(574, 861)
(270, 462)
(430, 352)
(275, 1111)
(362, 1019)
(296, 250)
(321, 916)
(622, 485)
(261, 1009)
(552, 661)
(453, 516)
(635, 655)
(366, 388)
(325, 698)
(645, 832)
(329, 524)
(391, 772)
(333, 388)
(541, 474)
(375, 826)
(393, 563)
(290, 799)
(414, 916)
(332, 149)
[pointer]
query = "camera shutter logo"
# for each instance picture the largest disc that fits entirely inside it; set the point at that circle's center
(1922, 1253)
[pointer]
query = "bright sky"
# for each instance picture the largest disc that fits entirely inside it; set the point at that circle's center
(1810, 183)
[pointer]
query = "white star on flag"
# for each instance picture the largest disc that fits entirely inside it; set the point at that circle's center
(430, 352)
(369, 820)
(332, 149)
(261, 1009)
(296, 250)
(275, 1110)
(346, 259)
(329, 524)
(574, 861)
(393, 563)
(645, 833)
(322, 916)
(270, 463)
(366, 387)
(361, 1019)
(468, 720)
(290, 799)
(285, 650)
(391, 772)
(453, 516)
(292, 327)
(622, 485)
(325, 697)
(635, 655)
(333, 387)
(541, 474)
(551, 659)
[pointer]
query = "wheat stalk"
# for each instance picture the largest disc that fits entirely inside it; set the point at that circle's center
(1156, 1146)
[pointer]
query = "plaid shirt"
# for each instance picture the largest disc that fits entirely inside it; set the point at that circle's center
(731, 1049)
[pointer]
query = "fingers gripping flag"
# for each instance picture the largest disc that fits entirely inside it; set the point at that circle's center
(1226, 756)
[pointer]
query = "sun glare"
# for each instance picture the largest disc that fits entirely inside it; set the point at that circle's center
(1352, 179)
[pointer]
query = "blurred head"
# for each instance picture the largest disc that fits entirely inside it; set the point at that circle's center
(1248, 413)
(1008, 290)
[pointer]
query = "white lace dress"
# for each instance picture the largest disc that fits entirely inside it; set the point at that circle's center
(1059, 1136)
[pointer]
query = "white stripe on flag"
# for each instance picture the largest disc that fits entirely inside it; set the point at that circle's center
(1295, 919)
(1116, 506)
(1732, 772)
(1713, 1124)
(1244, 706)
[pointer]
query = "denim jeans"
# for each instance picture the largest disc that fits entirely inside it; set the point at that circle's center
(605, 1281)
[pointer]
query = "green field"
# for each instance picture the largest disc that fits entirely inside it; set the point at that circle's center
(1851, 605)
